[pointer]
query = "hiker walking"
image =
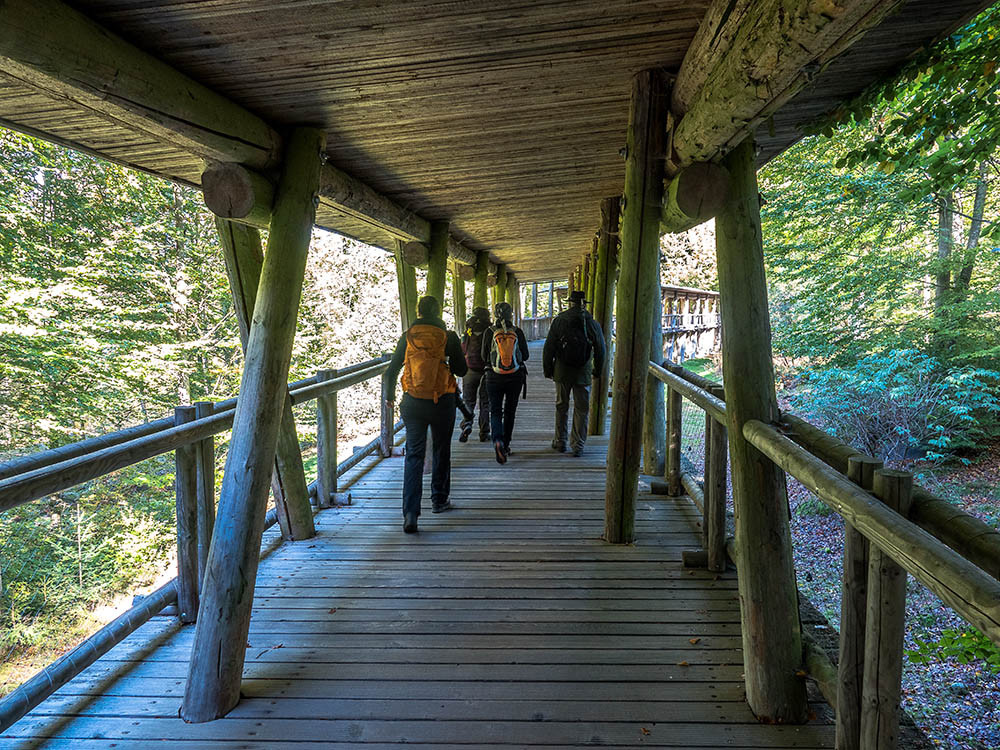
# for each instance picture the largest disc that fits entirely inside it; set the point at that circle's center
(474, 381)
(504, 350)
(430, 357)
(573, 352)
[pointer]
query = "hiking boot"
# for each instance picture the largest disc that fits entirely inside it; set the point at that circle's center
(410, 523)
(464, 437)
(501, 453)
(507, 450)
(578, 451)
(446, 505)
(559, 447)
(483, 437)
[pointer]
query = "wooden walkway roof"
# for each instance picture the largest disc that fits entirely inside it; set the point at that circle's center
(506, 118)
(507, 622)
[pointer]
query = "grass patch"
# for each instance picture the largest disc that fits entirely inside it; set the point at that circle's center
(703, 366)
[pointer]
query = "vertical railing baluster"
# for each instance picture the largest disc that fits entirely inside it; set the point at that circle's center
(205, 470)
(326, 443)
(885, 621)
(673, 464)
(186, 493)
(716, 486)
(386, 422)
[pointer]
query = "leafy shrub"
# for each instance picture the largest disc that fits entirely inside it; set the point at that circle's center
(965, 646)
(812, 506)
(888, 404)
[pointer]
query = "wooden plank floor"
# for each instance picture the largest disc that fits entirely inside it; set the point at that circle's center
(507, 622)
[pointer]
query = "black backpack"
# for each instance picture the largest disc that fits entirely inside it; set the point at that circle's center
(573, 347)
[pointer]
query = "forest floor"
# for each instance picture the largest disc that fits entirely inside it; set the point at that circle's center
(949, 688)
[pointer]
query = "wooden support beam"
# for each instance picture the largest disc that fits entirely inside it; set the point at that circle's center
(231, 191)
(604, 300)
(458, 296)
(500, 290)
(326, 443)
(640, 248)
(415, 253)
(406, 279)
(480, 297)
(219, 650)
(53, 48)
(693, 197)
(751, 59)
(244, 258)
(716, 485)
(510, 291)
(654, 427)
(534, 299)
(772, 641)
(437, 261)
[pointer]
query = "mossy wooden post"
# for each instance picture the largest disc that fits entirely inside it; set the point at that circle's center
(437, 261)
(219, 650)
(500, 290)
(480, 298)
(205, 457)
(406, 281)
(772, 638)
(326, 443)
(716, 484)
(511, 293)
(241, 249)
(885, 621)
(458, 293)
(654, 428)
(186, 495)
(640, 252)
(604, 298)
(675, 428)
(853, 610)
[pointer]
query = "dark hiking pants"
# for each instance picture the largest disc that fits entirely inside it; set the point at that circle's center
(419, 414)
(504, 392)
(473, 384)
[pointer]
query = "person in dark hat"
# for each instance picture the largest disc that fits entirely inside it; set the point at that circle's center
(574, 350)
(473, 383)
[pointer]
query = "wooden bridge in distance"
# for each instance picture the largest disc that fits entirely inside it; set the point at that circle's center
(507, 622)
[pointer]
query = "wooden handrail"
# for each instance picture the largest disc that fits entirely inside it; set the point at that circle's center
(961, 584)
(714, 406)
(54, 477)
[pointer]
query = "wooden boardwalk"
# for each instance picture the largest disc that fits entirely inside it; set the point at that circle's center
(507, 622)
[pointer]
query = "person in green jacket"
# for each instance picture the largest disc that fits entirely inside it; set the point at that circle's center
(574, 350)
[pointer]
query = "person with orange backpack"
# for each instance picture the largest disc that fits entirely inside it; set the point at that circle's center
(430, 357)
(505, 350)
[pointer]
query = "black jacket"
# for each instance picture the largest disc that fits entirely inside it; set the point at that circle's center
(452, 350)
(558, 370)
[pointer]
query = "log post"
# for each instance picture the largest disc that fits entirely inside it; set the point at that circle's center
(458, 293)
(654, 429)
(406, 280)
(534, 299)
(241, 249)
(885, 623)
(186, 492)
(675, 426)
(480, 297)
(437, 261)
(772, 638)
(716, 484)
(853, 606)
(219, 650)
(604, 301)
(640, 250)
(500, 290)
(552, 309)
(326, 443)
(693, 197)
(385, 422)
(205, 457)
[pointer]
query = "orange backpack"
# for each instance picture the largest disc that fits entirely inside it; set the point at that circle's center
(505, 357)
(425, 371)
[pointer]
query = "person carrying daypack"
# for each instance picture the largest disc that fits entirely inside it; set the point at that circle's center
(505, 351)
(474, 381)
(574, 350)
(430, 357)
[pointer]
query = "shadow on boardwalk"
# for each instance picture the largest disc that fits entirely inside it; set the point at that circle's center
(507, 622)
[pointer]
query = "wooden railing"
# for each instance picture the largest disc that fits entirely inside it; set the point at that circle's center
(536, 328)
(190, 434)
(893, 527)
